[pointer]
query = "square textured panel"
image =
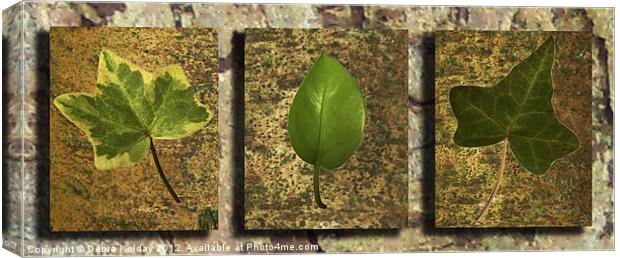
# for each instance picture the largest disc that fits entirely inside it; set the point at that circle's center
(83, 198)
(465, 176)
(367, 191)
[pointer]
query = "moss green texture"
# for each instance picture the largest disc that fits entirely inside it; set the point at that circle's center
(83, 198)
(370, 189)
(465, 176)
(420, 235)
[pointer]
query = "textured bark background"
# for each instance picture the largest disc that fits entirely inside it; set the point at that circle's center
(230, 20)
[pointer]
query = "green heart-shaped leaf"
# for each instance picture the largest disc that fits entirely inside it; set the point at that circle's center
(326, 119)
(518, 109)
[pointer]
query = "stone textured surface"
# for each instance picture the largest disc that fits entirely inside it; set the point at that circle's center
(421, 21)
(465, 176)
(83, 198)
(12, 125)
(369, 190)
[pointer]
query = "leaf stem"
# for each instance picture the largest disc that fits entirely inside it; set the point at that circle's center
(317, 193)
(487, 205)
(161, 172)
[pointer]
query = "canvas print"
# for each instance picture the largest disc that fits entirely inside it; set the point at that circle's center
(513, 129)
(118, 203)
(133, 129)
(325, 131)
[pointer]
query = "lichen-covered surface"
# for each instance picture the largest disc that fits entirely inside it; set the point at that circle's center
(369, 190)
(464, 177)
(83, 198)
(420, 21)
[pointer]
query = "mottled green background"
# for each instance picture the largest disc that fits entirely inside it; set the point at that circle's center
(465, 176)
(369, 190)
(83, 198)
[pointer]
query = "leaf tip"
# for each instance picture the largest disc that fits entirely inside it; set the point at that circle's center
(549, 43)
(106, 53)
(106, 57)
(56, 101)
(323, 56)
(60, 101)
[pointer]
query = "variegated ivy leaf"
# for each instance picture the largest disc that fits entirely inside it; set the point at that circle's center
(130, 107)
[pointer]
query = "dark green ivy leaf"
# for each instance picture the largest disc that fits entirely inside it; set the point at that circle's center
(519, 109)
